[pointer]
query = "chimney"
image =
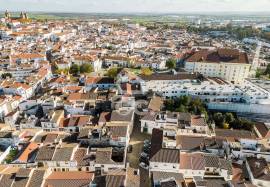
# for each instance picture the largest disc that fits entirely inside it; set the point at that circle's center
(257, 164)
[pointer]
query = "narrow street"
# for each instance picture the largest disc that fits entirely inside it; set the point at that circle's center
(136, 140)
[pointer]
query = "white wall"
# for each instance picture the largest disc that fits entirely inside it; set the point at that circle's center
(240, 107)
(165, 167)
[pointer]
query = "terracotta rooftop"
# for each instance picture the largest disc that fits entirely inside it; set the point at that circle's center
(157, 76)
(70, 175)
(69, 179)
(220, 55)
(25, 156)
(75, 121)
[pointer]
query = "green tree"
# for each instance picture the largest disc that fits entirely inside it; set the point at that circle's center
(112, 72)
(60, 71)
(181, 108)
(196, 106)
(86, 68)
(229, 118)
(169, 103)
(12, 154)
(248, 125)
(258, 73)
(185, 100)
(243, 124)
(171, 63)
(6, 75)
(65, 71)
(267, 70)
(205, 113)
(219, 119)
(74, 69)
(146, 71)
(109, 47)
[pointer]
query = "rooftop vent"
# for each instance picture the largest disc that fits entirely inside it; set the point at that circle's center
(257, 164)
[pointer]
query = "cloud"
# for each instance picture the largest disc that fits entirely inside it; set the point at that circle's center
(176, 6)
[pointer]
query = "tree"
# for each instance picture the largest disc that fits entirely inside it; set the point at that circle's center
(267, 71)
(6, 75)
(86, 68)
(205, 113)
(258, 73)
(200, 77)
(61, 71)
(109, 47)
(181, 108)
(196, 106)
(242, 124)
(146, 71)
(65, 71)
(171, 63)
(219, 119)
(229, 118)
(248, 125)
(226, 126)
(170, 105)
(12, 154)
(112, 72)
(185, 100)
(74, 69)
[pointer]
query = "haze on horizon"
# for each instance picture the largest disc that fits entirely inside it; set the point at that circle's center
(136, 6)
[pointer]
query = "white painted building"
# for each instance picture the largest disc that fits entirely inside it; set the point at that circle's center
(166, 160)
(219, 95)
(95, 62)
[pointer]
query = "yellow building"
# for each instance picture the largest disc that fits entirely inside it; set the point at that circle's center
(228, 64)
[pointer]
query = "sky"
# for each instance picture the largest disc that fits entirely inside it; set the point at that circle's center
(136, 6)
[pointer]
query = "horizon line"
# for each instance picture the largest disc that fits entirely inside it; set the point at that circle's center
(147, 12)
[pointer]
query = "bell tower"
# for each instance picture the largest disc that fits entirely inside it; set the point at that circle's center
(25, 15)
(7, 15)
(21, 15)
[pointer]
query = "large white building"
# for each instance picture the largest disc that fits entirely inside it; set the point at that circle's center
(218, 94)
(210, 90)
(228, 64)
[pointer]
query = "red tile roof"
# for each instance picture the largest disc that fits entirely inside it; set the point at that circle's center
(28, 150)
(220, 55)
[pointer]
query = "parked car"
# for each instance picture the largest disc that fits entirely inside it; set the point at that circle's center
(143, 165)
(146, 142)
(144, 160)
(146, 150)
(144, 155)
